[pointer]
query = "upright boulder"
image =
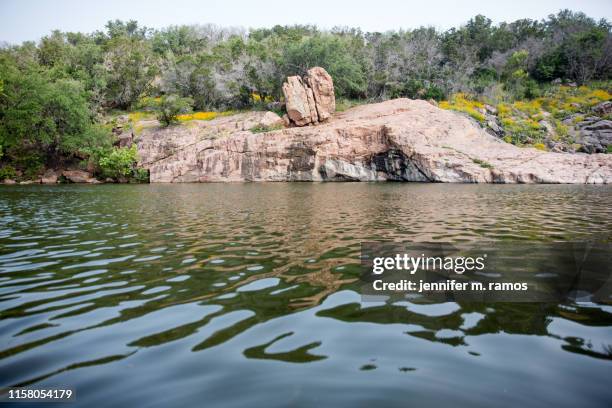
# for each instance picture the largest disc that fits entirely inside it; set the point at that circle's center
(296, 101)
(309, 100)
(322, 87)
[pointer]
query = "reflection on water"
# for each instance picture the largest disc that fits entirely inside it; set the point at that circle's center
(247, 295)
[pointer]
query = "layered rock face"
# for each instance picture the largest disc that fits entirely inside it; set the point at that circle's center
(311, 100)
(402, 139)
(594, 134)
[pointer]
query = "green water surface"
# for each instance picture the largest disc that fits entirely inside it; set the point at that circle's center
(247, 295)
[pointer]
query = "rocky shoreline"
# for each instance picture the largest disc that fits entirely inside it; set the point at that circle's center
(55, 176)
(397, 140)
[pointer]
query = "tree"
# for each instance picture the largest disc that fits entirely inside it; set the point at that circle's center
(335, 55)
(41, 117)
(578, 48)
(587, 54)
(129, 29)
(170, 106)
(130, 67)
(517, 78)
(53, 49)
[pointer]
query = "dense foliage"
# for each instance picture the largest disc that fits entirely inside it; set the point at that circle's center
(120, 163)
(54, 93)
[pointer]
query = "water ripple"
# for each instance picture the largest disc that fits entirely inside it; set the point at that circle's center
(200, 286)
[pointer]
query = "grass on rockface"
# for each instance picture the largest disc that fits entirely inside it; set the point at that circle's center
(343, 104)
(203, 115)
(136, 118)
(483, 164)
(540, 146)
(147, 107)
(525, 121)
(522, 120)
(139, 116)
(264, 129)
(461, 102)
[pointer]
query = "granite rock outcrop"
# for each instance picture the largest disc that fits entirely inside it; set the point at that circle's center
(401, 140)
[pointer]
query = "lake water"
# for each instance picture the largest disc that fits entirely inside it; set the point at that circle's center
(246, 295)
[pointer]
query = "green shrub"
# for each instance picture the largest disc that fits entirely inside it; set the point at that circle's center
(170, 107)
(417, 89)
(141, 175)
(7, 172)
(561, 129)
(118, 162)
(147, 103)
(30, 162)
